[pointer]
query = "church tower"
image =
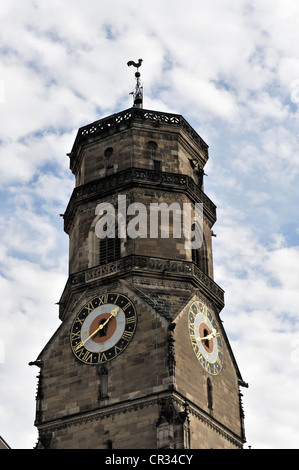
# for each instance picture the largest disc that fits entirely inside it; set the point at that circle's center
(141, 359)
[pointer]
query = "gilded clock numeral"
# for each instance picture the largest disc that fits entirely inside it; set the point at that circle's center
(191, 329)
(117, 350)
(125, 307)
(75, 336)
(83, 354)
(87, 357)
(198, 352)
(89, 307)
(79, 320)
(78, 346)
(102, 357)
(127, 335)
(130, 319)
(202, 360)
(103, 299)
(194, 308)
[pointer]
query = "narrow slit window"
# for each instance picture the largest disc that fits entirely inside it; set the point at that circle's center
(157, 165)
(109, 444)
(103, 373)
(210, 393)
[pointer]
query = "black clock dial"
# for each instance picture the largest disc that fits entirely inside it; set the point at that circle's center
(103, 328)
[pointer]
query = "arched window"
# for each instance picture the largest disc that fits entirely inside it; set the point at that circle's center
(152, 147)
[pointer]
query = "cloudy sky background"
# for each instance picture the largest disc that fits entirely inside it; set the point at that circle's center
(231, 68)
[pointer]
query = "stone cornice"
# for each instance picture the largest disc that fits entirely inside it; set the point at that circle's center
(134, 404)
(138, 177)
(185, 271)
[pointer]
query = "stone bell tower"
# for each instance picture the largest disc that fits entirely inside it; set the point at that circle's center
(141, 359)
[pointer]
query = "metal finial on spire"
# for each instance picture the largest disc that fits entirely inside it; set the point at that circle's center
(138, 93)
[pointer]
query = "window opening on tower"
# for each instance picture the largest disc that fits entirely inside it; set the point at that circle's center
(109, 249)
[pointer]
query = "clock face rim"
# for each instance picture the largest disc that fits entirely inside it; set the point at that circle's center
(121, 328)
(210, 355)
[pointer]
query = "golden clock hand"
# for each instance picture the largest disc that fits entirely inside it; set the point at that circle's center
(113, 314)
(209, 336)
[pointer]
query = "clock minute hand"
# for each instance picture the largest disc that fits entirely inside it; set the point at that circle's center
(113, 314)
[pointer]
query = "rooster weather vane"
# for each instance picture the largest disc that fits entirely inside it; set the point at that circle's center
(138, 93)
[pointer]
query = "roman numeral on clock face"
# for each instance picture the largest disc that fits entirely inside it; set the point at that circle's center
(130, 319)
(103, 299)
(127, 335)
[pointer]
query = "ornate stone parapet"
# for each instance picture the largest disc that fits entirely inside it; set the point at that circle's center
(112, 123)
(148, 266)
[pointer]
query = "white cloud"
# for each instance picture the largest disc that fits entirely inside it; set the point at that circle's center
(22, 158)
(28, 320)
(261, 319)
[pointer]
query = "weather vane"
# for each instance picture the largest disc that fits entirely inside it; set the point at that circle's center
(138, 93)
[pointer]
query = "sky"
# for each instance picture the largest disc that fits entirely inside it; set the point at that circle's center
(231, 68)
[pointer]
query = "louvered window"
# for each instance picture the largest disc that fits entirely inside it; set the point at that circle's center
(109, 250)
(200, 258)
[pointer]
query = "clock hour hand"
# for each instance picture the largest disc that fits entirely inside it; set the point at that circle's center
(113, 314)
(209, 336)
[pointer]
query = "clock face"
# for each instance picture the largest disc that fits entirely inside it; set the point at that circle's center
(205, 337)
(103, 328)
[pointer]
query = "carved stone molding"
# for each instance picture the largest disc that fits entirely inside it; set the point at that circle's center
(146, 265)
(145, 178)
(198, 413)
(156, 400)
(99, 413)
